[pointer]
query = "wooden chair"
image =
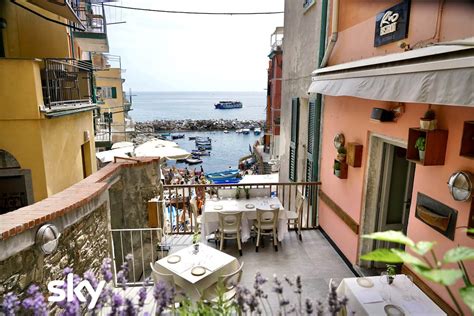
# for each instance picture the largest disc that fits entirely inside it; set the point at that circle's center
(226, 283)
(266, 224)
(229, 228)
(294, 217)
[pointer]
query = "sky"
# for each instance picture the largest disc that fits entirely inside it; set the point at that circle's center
(177, 52)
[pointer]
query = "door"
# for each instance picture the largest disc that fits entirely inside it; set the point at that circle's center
(395, 191)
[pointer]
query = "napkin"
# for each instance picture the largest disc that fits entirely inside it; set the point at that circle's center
(368, 296)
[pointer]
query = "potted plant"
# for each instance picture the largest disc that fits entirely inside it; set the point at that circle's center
(337, 168)
(237, 193)
(341, 154)
(428, 121)
(196, 237)
(247, 193)
(421, 146)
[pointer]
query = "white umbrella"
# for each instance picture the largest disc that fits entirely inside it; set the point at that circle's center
(121, 145)
(108, 155)
(152, 144)
(170, 153)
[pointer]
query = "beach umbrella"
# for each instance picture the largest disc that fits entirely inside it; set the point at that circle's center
(170, 153)
(122, 144)
(108, 155)
(152, 144)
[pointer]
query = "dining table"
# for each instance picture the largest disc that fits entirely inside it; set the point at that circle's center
(194, 271)
(248, 207)
(374, 296)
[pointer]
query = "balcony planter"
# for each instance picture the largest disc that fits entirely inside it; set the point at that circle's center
(420, 145)
(428, 121)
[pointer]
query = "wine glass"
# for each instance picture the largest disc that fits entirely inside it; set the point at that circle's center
(407, 285)
(385, 293)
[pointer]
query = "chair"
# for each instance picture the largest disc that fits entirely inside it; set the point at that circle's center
(294, 217)
(168, 279)
(225, 283)
(266, 224)
(197, 217)
(229, 227)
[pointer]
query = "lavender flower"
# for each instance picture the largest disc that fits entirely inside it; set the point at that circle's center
(35, 301)
(71, 308)
(106, 269)
(277, 287)
(11, 304)
(129, 308)
(335, 304)
(290, 283)
(299, 285)
(90, 276)
(241, 293)
(308, 306)
(259, 281)
(163, 296)
(117, 302)
(319, 308)
(142, 294)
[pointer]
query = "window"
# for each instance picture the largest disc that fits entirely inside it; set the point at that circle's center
(295, 118)
(106, 93)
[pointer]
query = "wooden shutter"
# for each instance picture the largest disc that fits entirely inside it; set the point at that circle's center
(293, 158)
(114, 93)
(310, 145)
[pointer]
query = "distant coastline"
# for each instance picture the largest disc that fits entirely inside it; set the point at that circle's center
(156, 126)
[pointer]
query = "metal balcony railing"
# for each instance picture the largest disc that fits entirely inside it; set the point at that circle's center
(66, 82)
(92, 17)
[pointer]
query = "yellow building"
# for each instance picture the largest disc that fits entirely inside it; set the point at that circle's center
(46, 100)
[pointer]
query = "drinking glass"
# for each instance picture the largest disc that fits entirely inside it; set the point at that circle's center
(385, 293)
(407, 286)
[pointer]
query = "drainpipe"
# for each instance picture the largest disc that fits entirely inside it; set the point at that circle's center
(334, 30)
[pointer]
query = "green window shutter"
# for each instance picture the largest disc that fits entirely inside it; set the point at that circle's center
(293, 157)
(311, 138)
(114, 93)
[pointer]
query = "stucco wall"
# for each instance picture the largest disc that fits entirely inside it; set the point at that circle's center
(351, 116)
(300, 55)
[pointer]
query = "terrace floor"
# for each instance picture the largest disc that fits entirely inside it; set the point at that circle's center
(314, 259)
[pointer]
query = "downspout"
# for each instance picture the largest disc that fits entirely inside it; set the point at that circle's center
(334, 30)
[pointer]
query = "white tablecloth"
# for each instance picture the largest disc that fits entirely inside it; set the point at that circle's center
(368, 301)
(214, 261)
(210, 217)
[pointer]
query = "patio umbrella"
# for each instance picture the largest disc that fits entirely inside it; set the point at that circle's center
(121, 145)
(170, 153)
(108, 155)
(152, 144)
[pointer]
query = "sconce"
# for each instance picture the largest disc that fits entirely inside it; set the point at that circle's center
(460, 186)
(47, 238)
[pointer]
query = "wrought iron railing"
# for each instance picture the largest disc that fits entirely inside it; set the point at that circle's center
(66, 82)
(176, 199)
(92, 17)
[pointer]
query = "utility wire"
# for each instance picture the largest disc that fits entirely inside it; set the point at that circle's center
(192, 12)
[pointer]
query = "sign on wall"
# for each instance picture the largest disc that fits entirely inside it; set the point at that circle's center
(392, 24)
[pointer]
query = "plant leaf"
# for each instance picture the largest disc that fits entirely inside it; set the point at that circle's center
(458, 254)
(441, 276)
(467, 294)
(470, 230)
(422, 247)
(382, 255)
(408, 258)
(391, 236)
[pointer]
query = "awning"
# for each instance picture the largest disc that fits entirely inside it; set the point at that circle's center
(440, 74)
(59, 7)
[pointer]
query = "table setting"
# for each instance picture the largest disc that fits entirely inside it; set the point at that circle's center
(378, 295)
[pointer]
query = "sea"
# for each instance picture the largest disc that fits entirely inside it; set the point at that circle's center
(226, 148)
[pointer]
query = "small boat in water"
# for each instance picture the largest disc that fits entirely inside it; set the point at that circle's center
(226, 131)
(200, 152)
(177, 136)
(225, 105)
(238, 131)
(257, 131)
(193, 161)
(192, 137)
(245, 131)
(226, 181)
(232, 173)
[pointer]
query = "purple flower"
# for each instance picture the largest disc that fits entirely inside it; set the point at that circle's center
(117, 302)
(299, 285)
(11, 304)
(308, 306)
(71, 308)
(122, 275)
(90, 276)
(241, 293)
(259, 281)
(106, 269)
(290, 283)
(67, 270)
(35, 301)
(129, 308)
(142, 294)
(277, 287)
(163, 296)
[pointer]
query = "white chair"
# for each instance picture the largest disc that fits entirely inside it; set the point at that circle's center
(229, 228)
(266, 224)
(168, 279)
(197, 217)
(225, 283)
(294, 217)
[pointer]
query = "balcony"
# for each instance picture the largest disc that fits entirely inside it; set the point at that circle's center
(94, 37)
(276, 40)
(66, 84)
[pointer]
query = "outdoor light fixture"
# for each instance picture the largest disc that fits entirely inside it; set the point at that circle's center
(339, 140)
(460, 186)
(47, 238)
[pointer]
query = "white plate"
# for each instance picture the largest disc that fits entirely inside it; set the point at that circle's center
(173, 259)
(393, 310)
(197, 271)
(364, 282)
(249, 205)
(218, 207)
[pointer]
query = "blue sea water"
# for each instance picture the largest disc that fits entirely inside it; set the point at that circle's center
(149, 106)
(226, 148)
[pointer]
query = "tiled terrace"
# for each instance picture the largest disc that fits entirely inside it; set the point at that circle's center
(313, 258)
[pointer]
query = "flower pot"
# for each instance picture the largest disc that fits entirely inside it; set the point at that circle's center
(421, 153)
(428, 124)
(341, 157)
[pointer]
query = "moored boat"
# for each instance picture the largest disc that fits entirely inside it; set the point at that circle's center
(232, 173)
(177, 136)
(257, 131)
(192, 137)
(226, 181)
(245, 131)
(193, 161)
(225, 105)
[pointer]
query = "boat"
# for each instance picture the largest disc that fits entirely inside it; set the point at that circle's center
(204, 147)
(245, 131)
(199, 139)
(225, 105)
(238, 131)
(257, 131)
(232, 173)
(226, 181)
(193, 161)
(200, 152)
(192, 137)
(177, 136)
(226, 131)
(165, 135)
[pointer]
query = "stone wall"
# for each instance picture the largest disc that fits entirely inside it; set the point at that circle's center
(82, 246)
